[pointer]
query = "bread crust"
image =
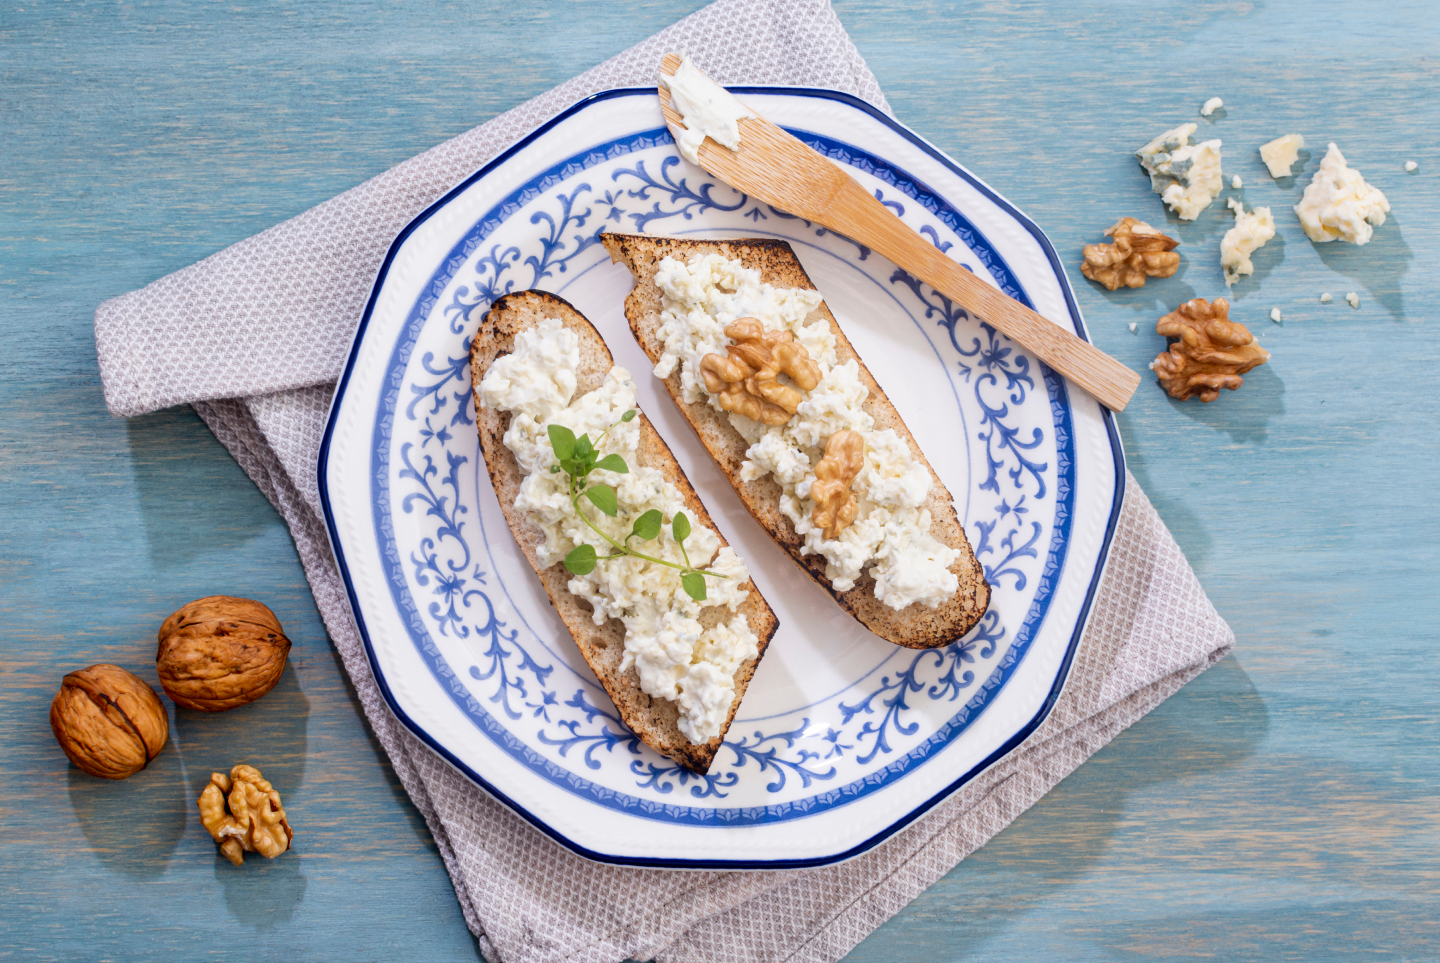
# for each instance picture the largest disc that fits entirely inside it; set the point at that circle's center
(915, 626)
(654, 720)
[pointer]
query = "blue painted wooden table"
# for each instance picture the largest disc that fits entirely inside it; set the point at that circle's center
(1282, 806)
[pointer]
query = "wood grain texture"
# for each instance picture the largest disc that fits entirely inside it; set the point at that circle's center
(1283, 806)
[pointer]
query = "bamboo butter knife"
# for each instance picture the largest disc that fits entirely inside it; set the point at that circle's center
(775, 167)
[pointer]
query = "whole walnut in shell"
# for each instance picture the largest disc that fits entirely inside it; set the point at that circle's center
(220, 652)
(109, 721)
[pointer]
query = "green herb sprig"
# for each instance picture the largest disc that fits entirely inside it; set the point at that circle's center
(578, 458)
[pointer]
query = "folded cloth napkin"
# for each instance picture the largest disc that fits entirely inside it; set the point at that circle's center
(254, 337)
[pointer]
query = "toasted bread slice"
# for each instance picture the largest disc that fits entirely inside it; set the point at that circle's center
(653, 720)
(915, 626)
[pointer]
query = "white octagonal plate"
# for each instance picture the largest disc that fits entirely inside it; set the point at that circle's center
(842, 739)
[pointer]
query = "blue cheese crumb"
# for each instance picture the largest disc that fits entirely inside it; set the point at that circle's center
(1353, 299)
(1326, 298)
(1211, 105)
(1133, 326)
(1339, 205)
(1249, 234)
(1281, 153)
(1186, 176)
(1275, 315)
(1411, 165)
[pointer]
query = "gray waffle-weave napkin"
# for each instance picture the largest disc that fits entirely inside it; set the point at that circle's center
(254, 337)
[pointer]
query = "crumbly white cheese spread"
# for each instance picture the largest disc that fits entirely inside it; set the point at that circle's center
(1249, 234)
(1210, 106)
(709, 110)
(1186, 176)
(891, 532)
(1338, 205)
(680, 651)
(1281, 153)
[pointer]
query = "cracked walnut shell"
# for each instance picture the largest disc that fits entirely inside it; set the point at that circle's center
(242, 812)
(1209, 352)
(1139, 251)
(746, 378)
(220, 652)
(108, 721)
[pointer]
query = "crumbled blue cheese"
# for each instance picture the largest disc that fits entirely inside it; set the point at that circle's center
(1186, 176)
(682, 650)
(1249, 234)
(891, 532)
(1210, 106)
(1281, 153)
(1411, 166)
(1133, 326)
(1275, 315)
(1326, 298)
(1236, 183)
(1353, 299)
(709, 110)
(1338, 205)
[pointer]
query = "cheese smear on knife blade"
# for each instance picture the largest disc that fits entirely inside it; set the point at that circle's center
(709, 110)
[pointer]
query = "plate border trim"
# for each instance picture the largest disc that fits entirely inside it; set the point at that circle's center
(1019, 737)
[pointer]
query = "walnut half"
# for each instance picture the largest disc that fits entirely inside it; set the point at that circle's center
(1139, 251)
(1210, 351)
(243, 813)
(746, 377)
(835, 504)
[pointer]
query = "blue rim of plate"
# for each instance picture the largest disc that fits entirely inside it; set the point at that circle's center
(1063, 671)
(515, 746)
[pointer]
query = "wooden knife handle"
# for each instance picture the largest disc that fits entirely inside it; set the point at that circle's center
(871, 223)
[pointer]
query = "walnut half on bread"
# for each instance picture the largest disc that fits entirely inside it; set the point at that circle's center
(915, 625)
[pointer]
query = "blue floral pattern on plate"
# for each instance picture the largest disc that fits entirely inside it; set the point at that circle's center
(556, 721)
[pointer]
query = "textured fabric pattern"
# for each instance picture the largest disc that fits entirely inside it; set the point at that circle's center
(277, 310)
(237, 335)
